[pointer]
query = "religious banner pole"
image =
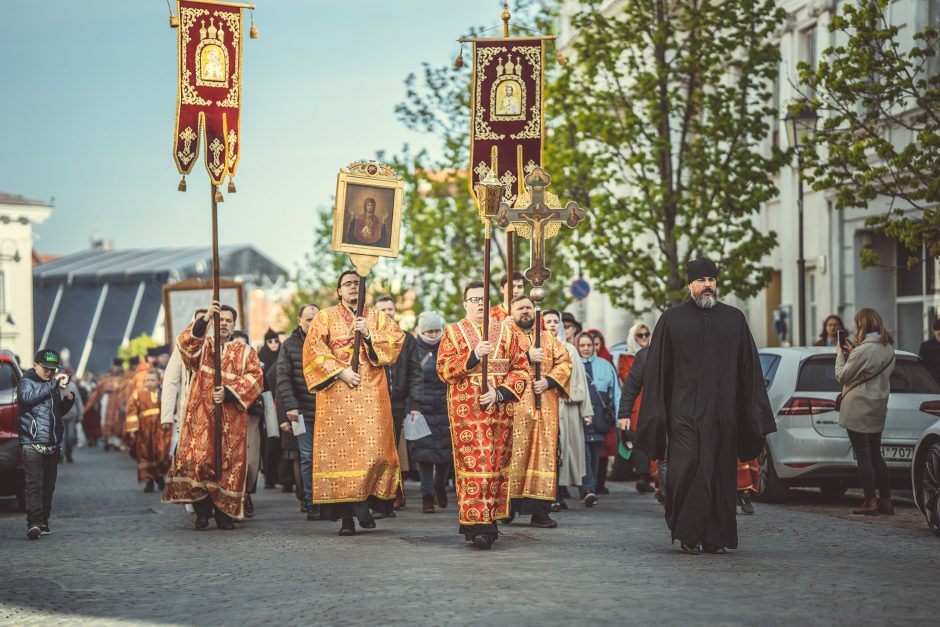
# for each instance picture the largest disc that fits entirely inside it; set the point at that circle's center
(366, 225)
(489, 193)
(208, 109)
(537, 216)
(506, 117)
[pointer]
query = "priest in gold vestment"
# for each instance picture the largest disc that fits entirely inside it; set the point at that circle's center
(355, 460)
(481, 423)
(534, 466)
(192, 477)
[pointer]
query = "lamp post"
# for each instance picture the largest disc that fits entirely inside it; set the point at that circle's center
(801, 122)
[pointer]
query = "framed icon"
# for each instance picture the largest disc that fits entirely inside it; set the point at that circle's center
(367, 216)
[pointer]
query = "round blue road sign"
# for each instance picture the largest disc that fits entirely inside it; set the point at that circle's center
(580, 289)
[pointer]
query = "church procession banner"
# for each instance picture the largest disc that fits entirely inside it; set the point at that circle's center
(209, 59)
(507, 121)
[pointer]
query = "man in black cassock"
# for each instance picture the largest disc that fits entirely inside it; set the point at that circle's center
(704, 393)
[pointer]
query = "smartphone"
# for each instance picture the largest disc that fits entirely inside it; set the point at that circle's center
(842, 339)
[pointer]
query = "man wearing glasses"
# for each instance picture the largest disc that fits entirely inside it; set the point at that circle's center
(355, 461)
(42, 402)
(481, 421)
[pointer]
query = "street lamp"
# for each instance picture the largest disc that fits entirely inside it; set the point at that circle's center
(801, 122)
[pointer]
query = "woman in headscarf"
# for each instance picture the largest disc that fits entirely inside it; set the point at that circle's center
(604, 392)
(433, 453)
(609, 448)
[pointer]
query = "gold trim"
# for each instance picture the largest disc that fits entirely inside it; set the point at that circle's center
(466, 40)
(238, 5)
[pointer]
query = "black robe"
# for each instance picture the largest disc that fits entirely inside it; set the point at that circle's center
(704, 392)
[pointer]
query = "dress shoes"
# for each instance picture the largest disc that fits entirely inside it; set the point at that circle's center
(543, 521)
(714, 549)
(603, 490)
(313, 513)
(427, 504)
(368, 523)
(249, 507)
(149, 486)
(440, 496)
(161, 483)
(483, 540)
(869, 508)
(348, 528)
(201, 523)
(886, 507)
(689, 549)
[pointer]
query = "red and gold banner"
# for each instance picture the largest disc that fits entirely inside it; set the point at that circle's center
(506, 117)
(209, 89)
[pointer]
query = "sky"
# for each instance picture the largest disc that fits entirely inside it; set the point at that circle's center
(88, 102)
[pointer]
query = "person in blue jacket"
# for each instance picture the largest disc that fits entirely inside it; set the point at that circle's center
(42, 401)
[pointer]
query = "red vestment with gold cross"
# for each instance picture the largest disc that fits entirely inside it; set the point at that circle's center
(192, 475)
(481, 439)
(151, 445)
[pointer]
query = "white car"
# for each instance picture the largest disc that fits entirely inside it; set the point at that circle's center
(925, 476)
(809, 447)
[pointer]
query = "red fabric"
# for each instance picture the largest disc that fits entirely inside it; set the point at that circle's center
(209, 88)
(512, 124)
(749, 475)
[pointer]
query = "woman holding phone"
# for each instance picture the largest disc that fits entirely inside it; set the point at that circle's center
(864, 370)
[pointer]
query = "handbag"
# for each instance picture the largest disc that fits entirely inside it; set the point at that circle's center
(608, 412)
(842, 394)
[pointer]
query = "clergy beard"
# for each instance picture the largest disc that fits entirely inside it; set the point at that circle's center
(705, 301)
(526, 323)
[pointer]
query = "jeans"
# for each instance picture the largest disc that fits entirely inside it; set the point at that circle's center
(71, 436)
(872, 469)
(432, 476)
(592, 457)
(40, 472)
(305, 444)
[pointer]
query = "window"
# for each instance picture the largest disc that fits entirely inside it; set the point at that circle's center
(807, 51)
(769, 364)
(818, 374)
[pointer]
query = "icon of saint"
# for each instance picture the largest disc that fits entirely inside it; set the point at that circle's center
(367, 229)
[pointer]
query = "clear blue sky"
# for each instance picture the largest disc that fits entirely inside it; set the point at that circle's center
(88, 102)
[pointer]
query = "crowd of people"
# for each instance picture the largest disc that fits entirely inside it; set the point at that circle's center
(517, 420)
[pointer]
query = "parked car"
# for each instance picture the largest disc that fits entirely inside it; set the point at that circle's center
(925, 476)
(11, 466)
(810, 448)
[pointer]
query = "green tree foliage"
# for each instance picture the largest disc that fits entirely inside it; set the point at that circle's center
(879, 136)
(658, 121)
(136, 347)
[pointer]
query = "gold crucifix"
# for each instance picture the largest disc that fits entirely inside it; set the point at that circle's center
(541, 219)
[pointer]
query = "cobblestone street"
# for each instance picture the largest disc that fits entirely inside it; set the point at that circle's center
(118, 556)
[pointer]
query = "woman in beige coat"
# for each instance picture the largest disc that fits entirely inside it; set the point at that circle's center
(865, 376)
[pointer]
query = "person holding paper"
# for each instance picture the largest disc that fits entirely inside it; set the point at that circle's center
(355, 461)
(299, 403)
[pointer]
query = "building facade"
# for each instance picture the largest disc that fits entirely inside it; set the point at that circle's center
(17, 217)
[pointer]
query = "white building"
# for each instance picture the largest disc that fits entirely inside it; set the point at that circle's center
(17, 216)
(835, 283)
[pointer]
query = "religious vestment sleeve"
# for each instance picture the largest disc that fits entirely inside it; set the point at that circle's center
(559, 375)
(320, 365)
(385, 339)
(518, 376)
(247, 387)
(190, 347)
(755, 417)
(132, 420)
(651, 435)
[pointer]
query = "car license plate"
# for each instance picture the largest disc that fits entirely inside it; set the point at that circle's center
(892, 453)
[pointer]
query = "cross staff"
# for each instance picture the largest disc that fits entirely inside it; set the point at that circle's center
(537, 219)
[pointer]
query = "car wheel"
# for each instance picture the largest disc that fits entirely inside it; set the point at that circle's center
(833, 489)
(773, 489)
(930, 486)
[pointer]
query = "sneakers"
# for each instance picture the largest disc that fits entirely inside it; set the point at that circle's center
(589, 499)
(44, 529)
(33, 532)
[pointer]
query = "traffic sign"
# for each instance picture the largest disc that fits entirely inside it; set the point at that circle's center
(580, 289)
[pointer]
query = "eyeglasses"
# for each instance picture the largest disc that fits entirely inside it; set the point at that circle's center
(474, 300)
(641, 335)
(349, 284)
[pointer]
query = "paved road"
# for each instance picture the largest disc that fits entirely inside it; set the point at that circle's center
(117, 556)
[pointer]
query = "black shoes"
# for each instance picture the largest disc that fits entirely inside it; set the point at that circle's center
(690, 549)
(714, 549)
(603, 490)
(543, 521)
(483, 540)
(160, 483)
(201, 523)
(368, 523)
(44, 529)
(348, 528)
(313, 512)
(249, 507)
(744, 502)
(149, 487)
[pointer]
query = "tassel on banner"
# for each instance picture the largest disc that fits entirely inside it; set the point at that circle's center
(218, 196)
(182, 186)
(231, 186)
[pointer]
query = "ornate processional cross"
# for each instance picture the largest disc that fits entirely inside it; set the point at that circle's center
(540, 220)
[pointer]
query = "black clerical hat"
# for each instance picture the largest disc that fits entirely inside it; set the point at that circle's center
(699, 268)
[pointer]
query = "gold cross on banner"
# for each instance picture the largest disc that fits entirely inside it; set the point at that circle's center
(538, 221)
